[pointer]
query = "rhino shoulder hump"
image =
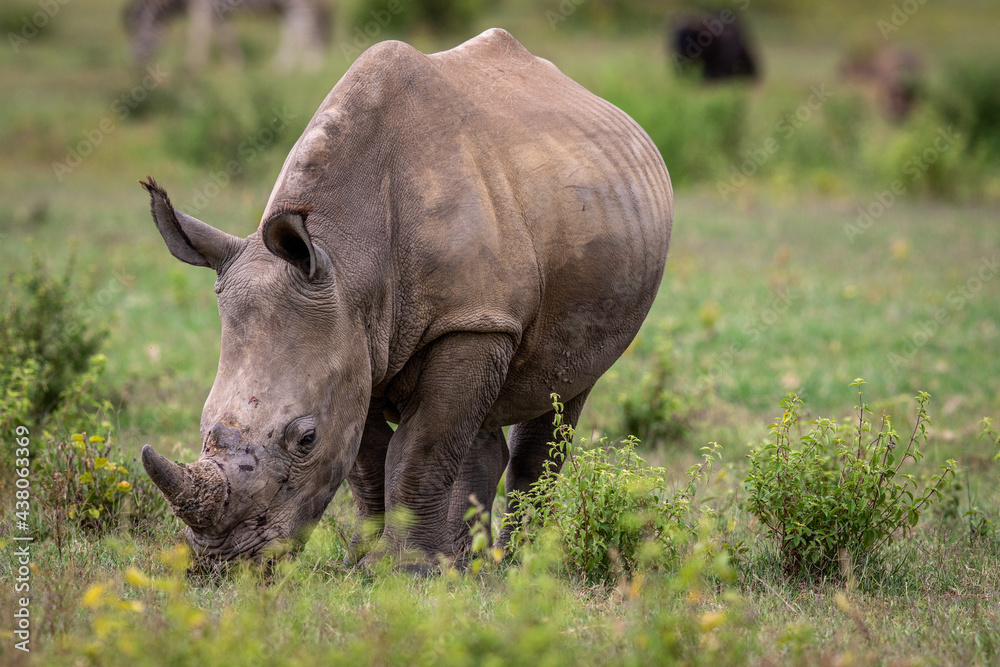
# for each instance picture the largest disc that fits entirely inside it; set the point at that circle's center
(493, 43)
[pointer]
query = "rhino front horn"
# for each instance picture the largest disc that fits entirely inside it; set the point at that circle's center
(168, 476)
(196, 492)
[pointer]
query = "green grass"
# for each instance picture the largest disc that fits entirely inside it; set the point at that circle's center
(764, 293)
(942, 612)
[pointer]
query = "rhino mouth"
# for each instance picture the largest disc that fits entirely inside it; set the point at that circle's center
(246, 541)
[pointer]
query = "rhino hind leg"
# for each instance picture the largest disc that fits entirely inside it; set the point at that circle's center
(479, 475)
(529, 451)
(443, 397)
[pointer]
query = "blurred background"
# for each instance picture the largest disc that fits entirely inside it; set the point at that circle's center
(836, 167)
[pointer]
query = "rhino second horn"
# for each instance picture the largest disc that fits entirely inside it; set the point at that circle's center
(197, 493)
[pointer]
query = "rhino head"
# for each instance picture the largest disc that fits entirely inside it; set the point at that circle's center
(282, 425)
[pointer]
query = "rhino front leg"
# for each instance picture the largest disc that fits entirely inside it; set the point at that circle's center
(367, 482)
(443, 398)
(481, 470)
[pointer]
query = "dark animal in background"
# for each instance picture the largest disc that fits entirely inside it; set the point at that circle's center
(716, 43)
(892, 77)
(305, 28)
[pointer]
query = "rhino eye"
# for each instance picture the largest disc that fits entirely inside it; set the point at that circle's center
(307, 440)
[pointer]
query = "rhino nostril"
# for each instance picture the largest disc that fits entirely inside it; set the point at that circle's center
(246, 467)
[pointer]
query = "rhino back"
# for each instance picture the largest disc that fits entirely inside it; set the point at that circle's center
(480, 189)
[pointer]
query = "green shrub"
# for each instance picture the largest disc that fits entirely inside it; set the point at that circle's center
(222, 124)
(51, 383)
(89, 483)
(48, 355)
(969, 99)
(980, 521)
(988, 432)
(837, 494)
(609, 510)
(927, 155)
(80, 483)
(844, 122)
(699, 130)
(46, 345)
(24, 20)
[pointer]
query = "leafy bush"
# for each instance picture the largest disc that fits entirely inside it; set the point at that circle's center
(969, 98)
(838, 492)
(51, 378)
(21, 19)
(226, 128)
(980, 521)
(990, 433)
(924, 156)
(46, 345)
(609, 510)
(699, 131)
(88, 482)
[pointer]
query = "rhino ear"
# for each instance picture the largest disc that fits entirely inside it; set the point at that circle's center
(188, 239)
(285, 235)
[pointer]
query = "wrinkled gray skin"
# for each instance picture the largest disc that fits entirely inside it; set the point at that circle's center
(453, 238)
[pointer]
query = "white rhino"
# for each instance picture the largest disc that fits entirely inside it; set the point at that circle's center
(454, 237)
